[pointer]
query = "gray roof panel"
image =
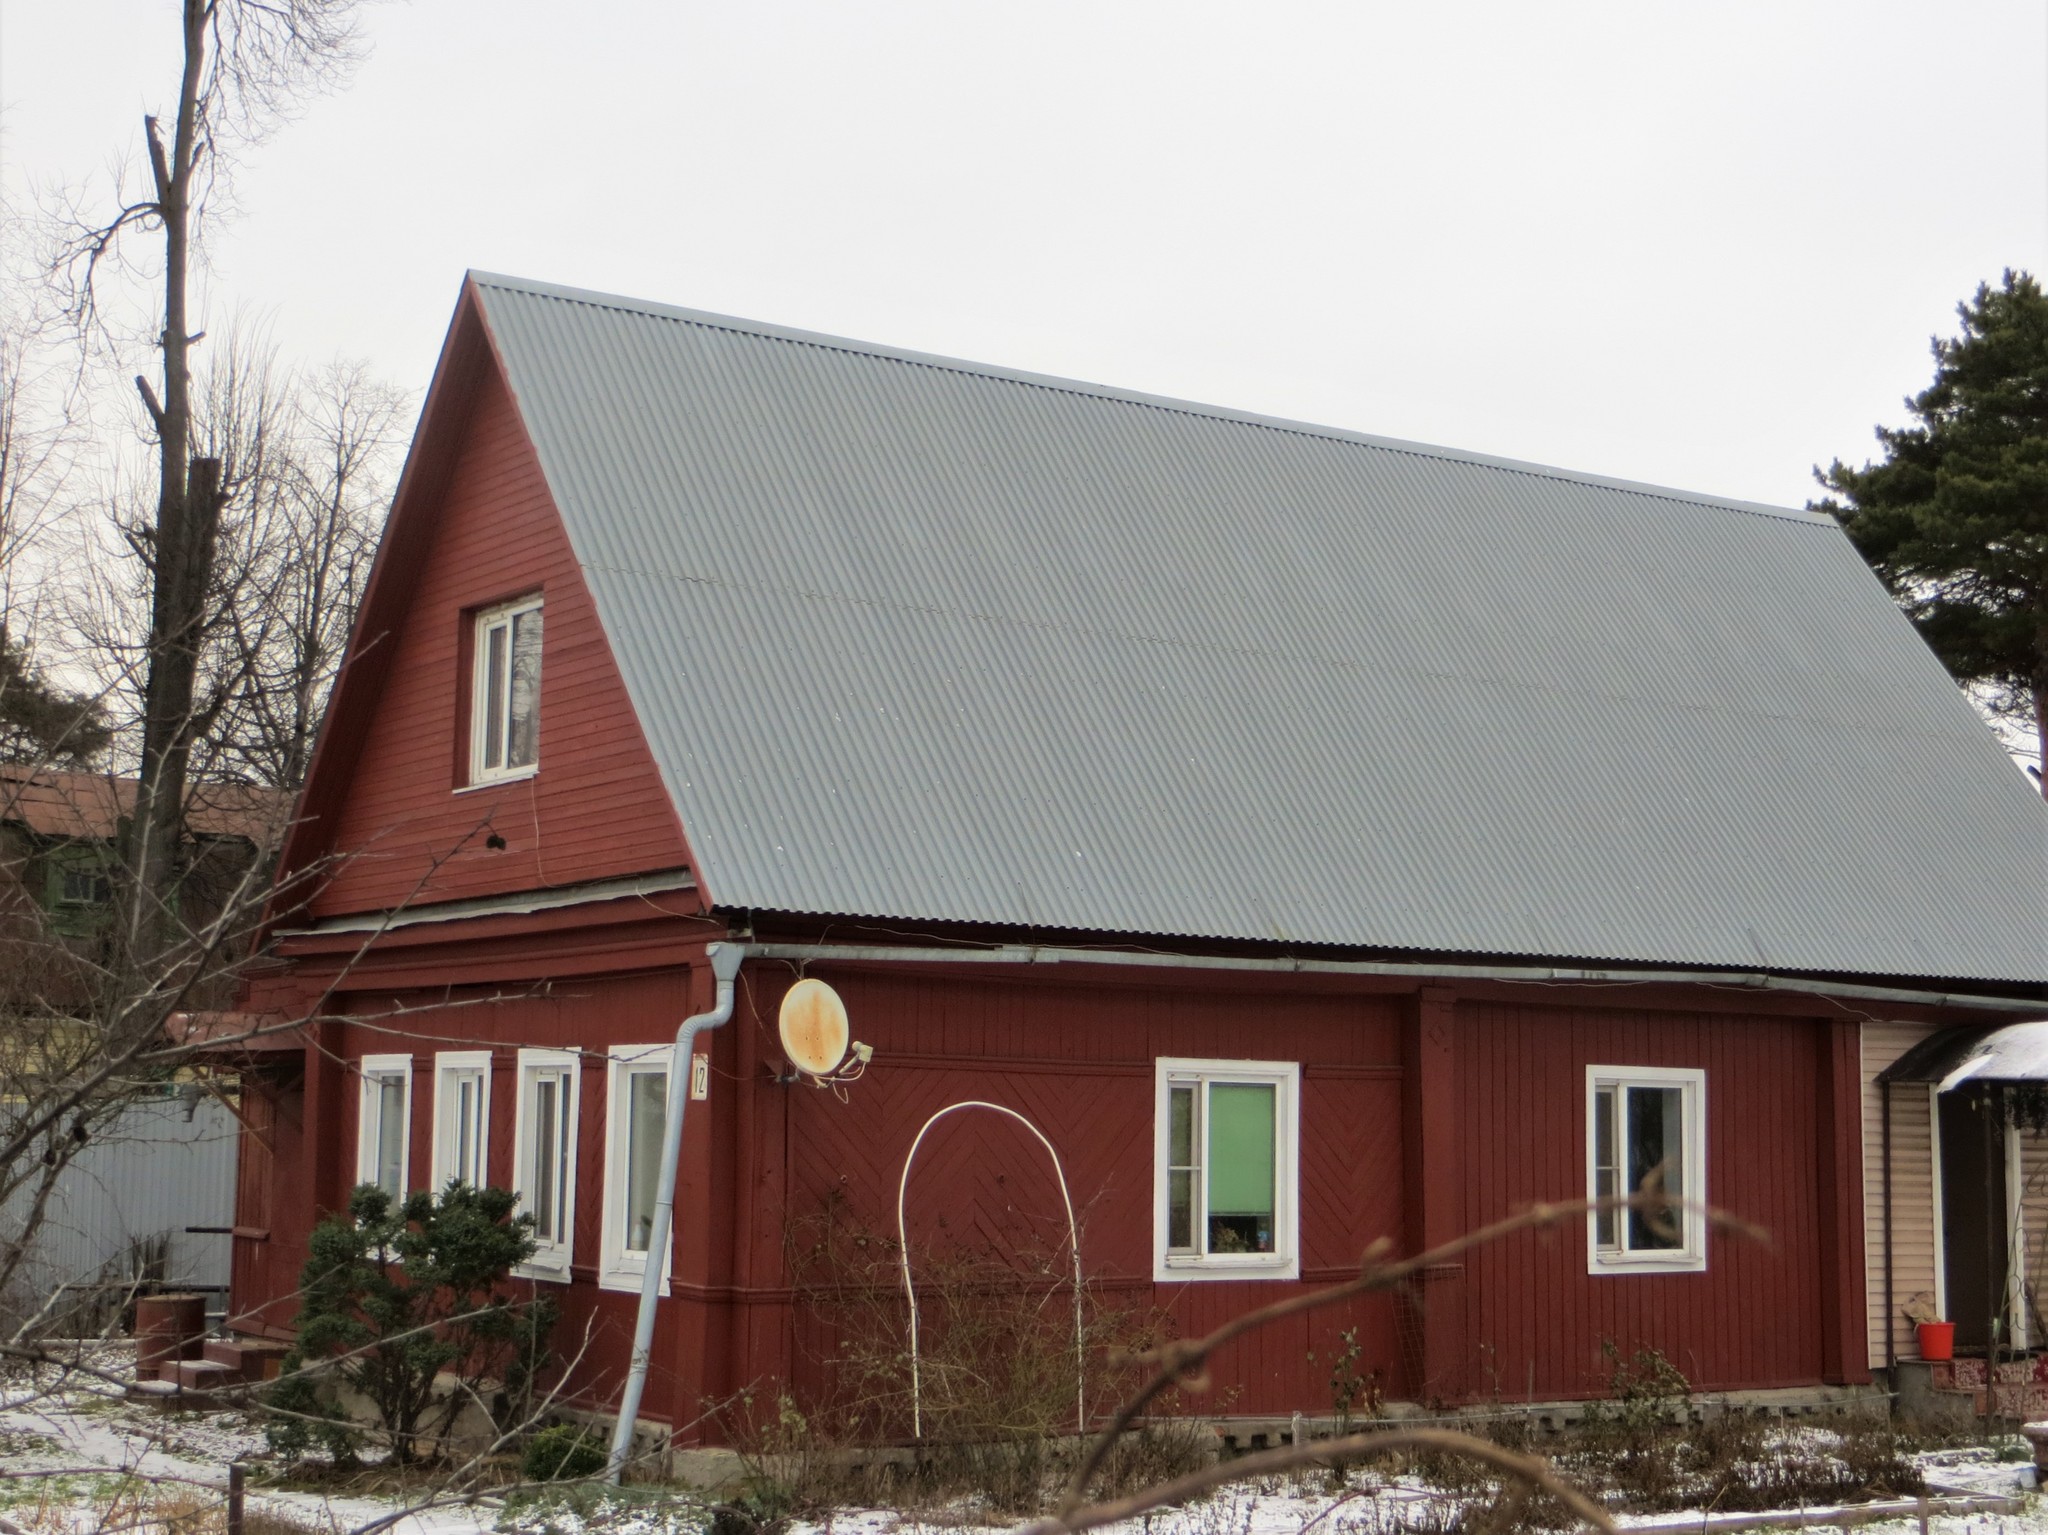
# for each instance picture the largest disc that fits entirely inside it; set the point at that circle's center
(923, 640)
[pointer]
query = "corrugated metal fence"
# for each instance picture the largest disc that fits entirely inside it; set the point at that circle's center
(129, 1201)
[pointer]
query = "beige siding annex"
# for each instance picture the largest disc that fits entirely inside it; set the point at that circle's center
(1913, 1194)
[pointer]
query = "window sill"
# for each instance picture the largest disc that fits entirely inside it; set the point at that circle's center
(545, 1270)
(1674, 1263)
(627, 1281)
(498, 780)
(1180, 1270)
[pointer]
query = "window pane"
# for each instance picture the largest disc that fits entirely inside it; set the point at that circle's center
(542, 1179)
(1180, 1127)
(523, 742)
(1180, 1212)
(391, 1135)
(1242, 1126)
(1606, 1177)
(1655, 1136)
(465, 1130)
(84, 885)
(647, 1119)
(564, 1151)
(494, 697)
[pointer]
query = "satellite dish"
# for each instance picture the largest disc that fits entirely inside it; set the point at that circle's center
(815, 1034)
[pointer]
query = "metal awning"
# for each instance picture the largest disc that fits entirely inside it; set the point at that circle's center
(2014, 1052)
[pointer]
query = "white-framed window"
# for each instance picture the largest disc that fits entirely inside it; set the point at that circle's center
(1644, 1122)
(544, 1157)
(635, 1120)
(504, 707)
(384, 1123)
(462, 1118)
(1226, 1163)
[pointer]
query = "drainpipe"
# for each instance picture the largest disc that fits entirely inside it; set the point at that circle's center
(725, 965)
(1891, 1314)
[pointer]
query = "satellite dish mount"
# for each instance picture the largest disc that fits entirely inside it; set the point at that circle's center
(817, 1041)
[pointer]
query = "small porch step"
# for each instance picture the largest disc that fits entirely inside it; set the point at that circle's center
(251, 1359)
(193, 1382)
(1934, 1396)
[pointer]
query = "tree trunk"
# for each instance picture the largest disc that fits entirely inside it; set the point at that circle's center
(2041, 732)
(187, 521)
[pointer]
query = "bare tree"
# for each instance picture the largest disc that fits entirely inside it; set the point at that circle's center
(40, 436)
(36, 438)
(244, 65)
(292, 570)
(306, 462)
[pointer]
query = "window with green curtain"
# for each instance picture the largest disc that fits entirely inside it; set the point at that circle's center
(1243, 1121)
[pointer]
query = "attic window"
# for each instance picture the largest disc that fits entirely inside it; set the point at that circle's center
(504, 714)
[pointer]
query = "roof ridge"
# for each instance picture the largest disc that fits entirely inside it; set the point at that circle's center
(768, 331)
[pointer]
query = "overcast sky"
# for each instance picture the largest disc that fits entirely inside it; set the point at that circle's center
(1698, 244)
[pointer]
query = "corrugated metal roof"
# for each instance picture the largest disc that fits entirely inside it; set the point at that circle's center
(918, 639)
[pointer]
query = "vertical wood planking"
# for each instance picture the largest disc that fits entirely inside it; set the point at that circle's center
(1076, 1056)
(1533, 1304)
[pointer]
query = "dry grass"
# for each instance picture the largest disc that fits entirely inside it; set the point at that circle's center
(1659, 1456)
(997, 1374)
(133, 1506)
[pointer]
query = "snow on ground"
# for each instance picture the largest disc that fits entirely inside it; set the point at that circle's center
(70, 1442)
(63, 1450)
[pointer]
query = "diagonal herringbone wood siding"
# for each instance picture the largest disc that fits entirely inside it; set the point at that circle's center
(1078, 1061)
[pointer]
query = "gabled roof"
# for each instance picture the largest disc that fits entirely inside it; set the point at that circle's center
(917, 639)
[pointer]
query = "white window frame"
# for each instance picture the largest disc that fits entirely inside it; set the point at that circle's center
(1284, 1262)
(376, 1070)
(1691, 1257)
(451, 1068)
(479, 691)
(619, 1268)
(551, 1258)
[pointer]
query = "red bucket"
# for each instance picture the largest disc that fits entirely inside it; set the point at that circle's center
(1937, 1340)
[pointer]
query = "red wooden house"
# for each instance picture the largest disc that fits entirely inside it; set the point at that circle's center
(1319, 837)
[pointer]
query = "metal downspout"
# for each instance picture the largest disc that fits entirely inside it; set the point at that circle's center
(725, 965)
(1891, 1324)
(1989, 1105)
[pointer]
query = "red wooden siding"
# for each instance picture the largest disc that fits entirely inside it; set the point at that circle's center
(1535, 1320)
(592, 1018)
(596, 808)
(763, 1159)
(270, 1177)
(1077, 1059)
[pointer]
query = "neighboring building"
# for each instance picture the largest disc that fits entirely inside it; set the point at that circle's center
(149, 1197)
(1318, 837)
(60, 838)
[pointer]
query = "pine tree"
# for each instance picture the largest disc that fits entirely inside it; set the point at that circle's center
(41, 725)
(1954, 517)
